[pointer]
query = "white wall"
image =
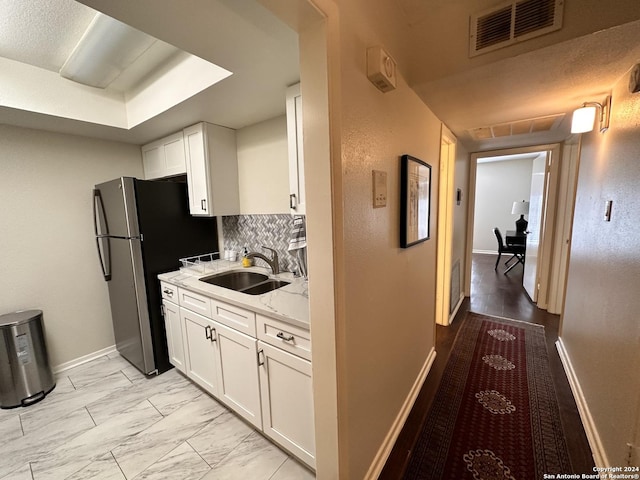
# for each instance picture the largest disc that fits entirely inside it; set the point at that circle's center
(263, 167)
(498, 185)
(459, 240)
(47, 246)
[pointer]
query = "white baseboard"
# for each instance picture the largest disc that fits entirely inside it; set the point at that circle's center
(597, 449)
(486, 252)
(84, 359)
(390, 440)
(457, 307)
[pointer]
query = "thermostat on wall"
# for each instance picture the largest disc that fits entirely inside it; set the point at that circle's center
(381, 69)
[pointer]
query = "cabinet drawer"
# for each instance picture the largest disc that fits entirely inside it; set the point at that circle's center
(282, 335)
(169, 292)
(234, 317)
(195, 302)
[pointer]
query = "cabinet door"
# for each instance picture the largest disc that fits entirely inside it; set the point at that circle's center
(287, 401)
(297, 196)
(197, 169)
(174, 156)
(200, 351)
(173, 328)
(238, 384)
(153, 161)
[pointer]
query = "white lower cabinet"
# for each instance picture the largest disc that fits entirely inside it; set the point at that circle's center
(238, 385)
(287, 401)
(265, 384)
(173, 327)
(200, 349)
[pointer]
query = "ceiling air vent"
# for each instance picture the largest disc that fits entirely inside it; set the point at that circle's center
(521, 127)
(513, 22)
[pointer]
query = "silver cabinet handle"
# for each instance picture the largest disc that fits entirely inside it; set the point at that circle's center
(260, 360)
(207, 332)
(162, 312)
(203, 204)
(168, 292)
(213, 335)
(281, 336)
(292, 201)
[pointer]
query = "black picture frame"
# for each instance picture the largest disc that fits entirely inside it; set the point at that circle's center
(415, 201)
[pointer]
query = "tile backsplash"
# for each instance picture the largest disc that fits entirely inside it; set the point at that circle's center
(254, 231)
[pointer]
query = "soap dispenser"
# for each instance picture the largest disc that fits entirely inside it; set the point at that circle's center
(246, 261)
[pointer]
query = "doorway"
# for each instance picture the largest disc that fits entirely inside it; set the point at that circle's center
(547, 266)
(449, 294)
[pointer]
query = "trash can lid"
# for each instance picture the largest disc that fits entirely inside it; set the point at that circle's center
(21, 316)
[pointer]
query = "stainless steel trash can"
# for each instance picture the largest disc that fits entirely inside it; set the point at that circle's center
(25, 373)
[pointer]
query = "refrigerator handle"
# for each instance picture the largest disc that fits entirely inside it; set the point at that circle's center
(98, 208)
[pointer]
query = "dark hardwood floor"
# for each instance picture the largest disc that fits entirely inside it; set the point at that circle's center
(494, 293)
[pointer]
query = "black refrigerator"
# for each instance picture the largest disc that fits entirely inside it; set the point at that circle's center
(143, 228)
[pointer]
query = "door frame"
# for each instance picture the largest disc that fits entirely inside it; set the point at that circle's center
(446, 183)
(548, 223)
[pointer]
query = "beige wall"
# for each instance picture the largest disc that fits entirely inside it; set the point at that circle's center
(263, 167)
(600, 328)
(47, 246)
(386, 318)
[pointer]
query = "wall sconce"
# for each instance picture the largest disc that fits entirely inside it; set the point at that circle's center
(584, 117)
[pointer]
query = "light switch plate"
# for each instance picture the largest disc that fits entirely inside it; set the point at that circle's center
(379, 189)
(607, 210)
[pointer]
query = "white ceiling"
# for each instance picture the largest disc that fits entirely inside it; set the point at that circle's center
(44, 33)
(553, 74)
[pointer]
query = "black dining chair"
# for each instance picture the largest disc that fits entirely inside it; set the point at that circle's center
(517, 252)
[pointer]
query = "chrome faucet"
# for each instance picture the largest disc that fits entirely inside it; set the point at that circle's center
(273, 262)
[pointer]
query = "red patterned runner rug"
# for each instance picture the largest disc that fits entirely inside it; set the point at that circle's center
(495, 415)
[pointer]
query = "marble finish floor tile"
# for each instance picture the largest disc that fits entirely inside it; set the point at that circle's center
(39, 443)
(10, 428)
(95, 370)
(103, 468)
(147, 447)
(60, 403)
(292, 470)
(132, 394)
(22, 473)
(177, 393)
(182, 463)
(255, 458)
(107, 421)
(220, 437)
(91, 445)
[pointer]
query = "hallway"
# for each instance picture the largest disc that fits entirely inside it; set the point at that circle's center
(494, 293)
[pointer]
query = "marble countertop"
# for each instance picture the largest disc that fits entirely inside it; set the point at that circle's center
(289, 303)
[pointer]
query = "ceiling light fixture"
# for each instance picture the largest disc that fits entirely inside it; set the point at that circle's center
(584, 117)
(105, 50)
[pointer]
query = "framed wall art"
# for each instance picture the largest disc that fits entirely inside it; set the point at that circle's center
(415, 200)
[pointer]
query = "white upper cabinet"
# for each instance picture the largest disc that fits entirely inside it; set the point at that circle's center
(297, 197)
(212, 170)
(164, 157)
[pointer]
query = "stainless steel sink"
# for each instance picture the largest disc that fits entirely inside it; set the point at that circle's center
(251, 283)
(265, 287)
(235, 279)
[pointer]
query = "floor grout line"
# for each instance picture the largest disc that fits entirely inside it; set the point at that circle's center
(278, 469)
(92, 419)
(117, 463)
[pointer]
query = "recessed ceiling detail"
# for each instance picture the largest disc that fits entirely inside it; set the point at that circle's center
(114, 75)
(513, 22)
(520, 127)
